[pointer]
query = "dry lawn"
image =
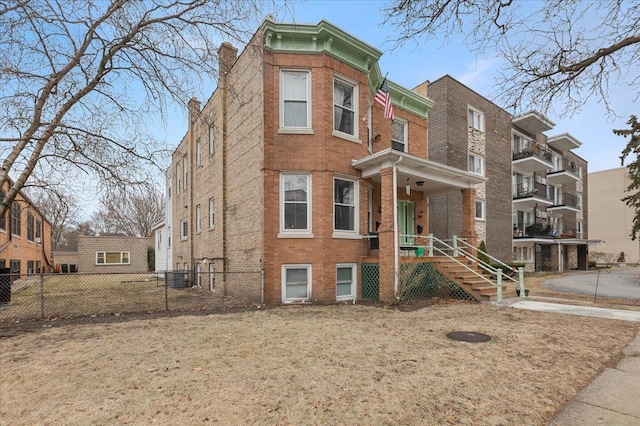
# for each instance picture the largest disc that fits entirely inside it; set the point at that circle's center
(310, 365)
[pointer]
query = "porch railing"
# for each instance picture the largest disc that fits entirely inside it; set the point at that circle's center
(460, 248)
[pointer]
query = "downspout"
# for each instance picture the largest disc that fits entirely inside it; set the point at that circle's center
(396, 241)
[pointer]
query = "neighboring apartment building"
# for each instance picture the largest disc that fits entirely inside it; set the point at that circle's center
(532, 208)
(113, 254)
(25, 238)
(291, 168)
(162, 232)
(610, 218)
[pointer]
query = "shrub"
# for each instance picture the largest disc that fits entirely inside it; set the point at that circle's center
(482, 249)
(621, 258)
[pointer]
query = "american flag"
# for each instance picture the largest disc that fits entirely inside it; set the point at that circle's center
(384, 98)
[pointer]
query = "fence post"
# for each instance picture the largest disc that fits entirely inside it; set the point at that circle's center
(455, 246)
(41, 296)
(166, 290)
(521, 281)
(430, 245)
(499, 281)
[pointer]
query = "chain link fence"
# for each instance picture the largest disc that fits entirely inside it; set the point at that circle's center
(45, 296)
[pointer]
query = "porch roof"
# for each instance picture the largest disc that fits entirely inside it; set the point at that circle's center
(422, 174)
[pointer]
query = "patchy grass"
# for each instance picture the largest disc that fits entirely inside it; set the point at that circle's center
(315, 365)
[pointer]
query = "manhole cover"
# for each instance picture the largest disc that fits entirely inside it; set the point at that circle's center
(468, 336)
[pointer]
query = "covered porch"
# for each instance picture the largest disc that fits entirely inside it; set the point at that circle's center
(400, 184)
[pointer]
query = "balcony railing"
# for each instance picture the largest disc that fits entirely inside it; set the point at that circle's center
(568, 199)
(525, 190)
(533, 150)
(567, 166)
(541, 230)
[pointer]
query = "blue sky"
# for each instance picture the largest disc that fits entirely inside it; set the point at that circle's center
(415, 63)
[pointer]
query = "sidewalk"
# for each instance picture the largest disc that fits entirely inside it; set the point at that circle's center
(612, 398)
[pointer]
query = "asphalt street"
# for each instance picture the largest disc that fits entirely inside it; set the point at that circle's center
(619, 283)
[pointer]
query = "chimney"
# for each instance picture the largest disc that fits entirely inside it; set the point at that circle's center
(422, 89)
(194, 110)
(227, 55)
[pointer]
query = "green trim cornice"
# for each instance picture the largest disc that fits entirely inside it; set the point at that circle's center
(329, 39)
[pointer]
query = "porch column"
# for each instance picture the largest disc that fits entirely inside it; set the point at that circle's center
(386, 252)
(469, 217)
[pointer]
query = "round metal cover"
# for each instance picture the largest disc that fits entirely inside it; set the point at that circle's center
(468, 336)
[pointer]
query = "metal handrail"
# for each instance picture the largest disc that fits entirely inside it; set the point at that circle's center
(498, 261)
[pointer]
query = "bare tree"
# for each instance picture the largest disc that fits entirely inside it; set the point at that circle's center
(80, 78)
(133, 210)
(60, 209)
(557, 52)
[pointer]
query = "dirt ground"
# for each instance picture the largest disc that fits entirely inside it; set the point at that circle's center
(311, 365)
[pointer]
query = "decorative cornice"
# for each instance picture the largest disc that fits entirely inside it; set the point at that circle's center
(325, 38)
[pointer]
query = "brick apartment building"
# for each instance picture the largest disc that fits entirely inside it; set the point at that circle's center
(534, 203)
(25, 238)
(291, 168)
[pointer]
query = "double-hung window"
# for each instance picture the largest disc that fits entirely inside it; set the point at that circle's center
(198, 153)
(198, 218)
(345, 212)
(212, 139)
(184, 229)
(16, 220)
(296, 283)
(345, 106)
(295, 99)
(476, 119)
(185, 172)
(31, 224)
(476, 164)
(212, 213)
(399, 135)
(295, 203)
(345, 281)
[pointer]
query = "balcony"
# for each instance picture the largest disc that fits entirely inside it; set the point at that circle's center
(567, 204)
(567, 173)
(532, 122)
(564, 142)
(532, 158)
(527, 195)
(541, 230)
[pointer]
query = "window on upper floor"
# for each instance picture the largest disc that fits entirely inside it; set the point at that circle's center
(38, 231)
(198, 153)
(345, 201)
(345, 107)
(3, 223)
(476, 119)
(212, 213)
(31, 225)
(198, 218)
(399, 135)
(476, 163)
(184, 229)
(185, 172)
(178, 178)
(16, 219)
(295, 203)
(212, 139)
(295, 99)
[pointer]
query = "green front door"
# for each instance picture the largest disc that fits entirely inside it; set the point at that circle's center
(405, 222)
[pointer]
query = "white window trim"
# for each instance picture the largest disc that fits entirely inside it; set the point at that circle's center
(483, 210)
(341, 233)
(481, 121)
(405, 124)
(354, 281)
(356, 120)
(184, 236)
(212, 213)
(304, 130)
(482, 165)
(283, 272)
(104, 253)
(296, 233)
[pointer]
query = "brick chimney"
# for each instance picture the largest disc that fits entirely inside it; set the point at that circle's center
(194, 110)
(227, 55)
